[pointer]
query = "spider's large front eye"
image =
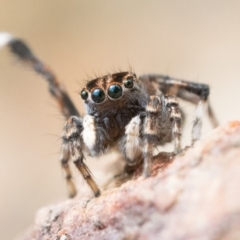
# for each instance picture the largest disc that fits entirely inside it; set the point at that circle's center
(98, 95)
(128, 83)
(115, 91)
(84, 95)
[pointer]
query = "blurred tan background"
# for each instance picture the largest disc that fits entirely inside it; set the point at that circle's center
(194, 40)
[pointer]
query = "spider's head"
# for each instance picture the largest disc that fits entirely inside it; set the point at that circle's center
(111, 91)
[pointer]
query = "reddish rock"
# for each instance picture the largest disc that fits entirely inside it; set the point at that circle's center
(195, 196)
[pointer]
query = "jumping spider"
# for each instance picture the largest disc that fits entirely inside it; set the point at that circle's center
(131, 113)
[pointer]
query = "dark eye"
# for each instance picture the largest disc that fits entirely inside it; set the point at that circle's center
(84, 95)
(128, 83)
(98, 95)
(115, 91)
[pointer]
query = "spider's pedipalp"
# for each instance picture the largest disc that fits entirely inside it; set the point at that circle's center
(89, 132)
(131, 144)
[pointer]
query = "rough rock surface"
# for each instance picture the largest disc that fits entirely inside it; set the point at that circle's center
(195, 196)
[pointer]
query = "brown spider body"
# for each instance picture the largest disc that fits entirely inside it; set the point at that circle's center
(133, 114)
(112, 115)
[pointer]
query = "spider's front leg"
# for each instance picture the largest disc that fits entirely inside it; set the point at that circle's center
(150, 130)
(162, 124)
(197, 93)
(72, 148)
(171, 106)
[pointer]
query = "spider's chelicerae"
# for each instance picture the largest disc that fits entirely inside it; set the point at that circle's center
(132, 113)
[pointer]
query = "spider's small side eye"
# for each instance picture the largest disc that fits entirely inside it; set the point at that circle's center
(84, 95)
(128, 83)
(115, 91)
(98, 95)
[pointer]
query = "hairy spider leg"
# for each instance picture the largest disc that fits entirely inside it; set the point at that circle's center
(150, 130)
(24, 53)
(64, 158)
(72, 141)
(71, 146)
(168, 107)
(171, 104)
(195, 93)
